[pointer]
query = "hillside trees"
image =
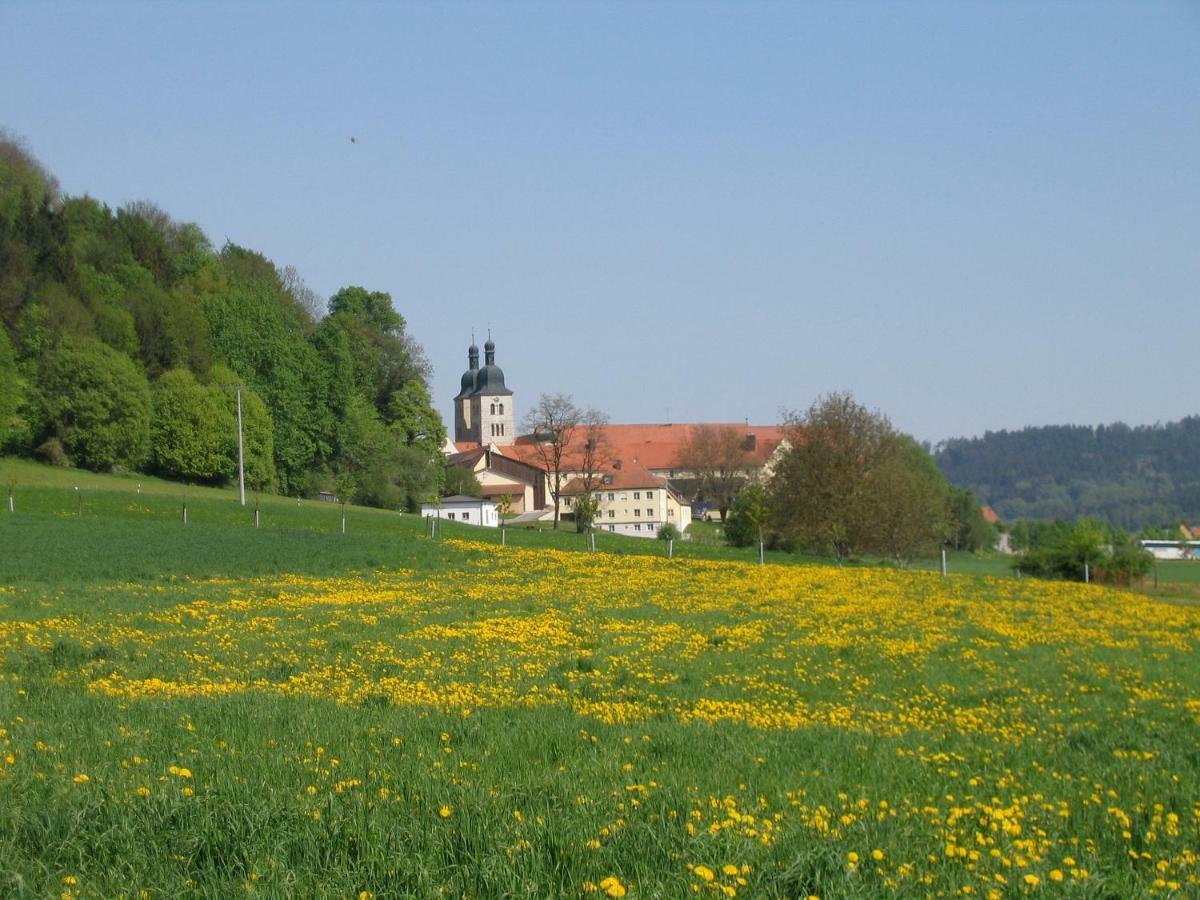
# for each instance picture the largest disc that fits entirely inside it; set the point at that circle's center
(139, 300)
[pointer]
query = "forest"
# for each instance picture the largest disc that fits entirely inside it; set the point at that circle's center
(1133, 477)
(126, 340)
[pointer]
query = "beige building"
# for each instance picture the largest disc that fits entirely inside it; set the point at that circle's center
(525, 484)
(630, 501)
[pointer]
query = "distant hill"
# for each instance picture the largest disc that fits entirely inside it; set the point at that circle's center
(1132, 476)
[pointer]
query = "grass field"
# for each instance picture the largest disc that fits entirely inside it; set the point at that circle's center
(214, 710)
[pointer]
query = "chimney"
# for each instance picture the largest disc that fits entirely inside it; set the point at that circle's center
(616, 464)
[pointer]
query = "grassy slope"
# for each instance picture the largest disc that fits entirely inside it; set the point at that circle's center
(914, 690)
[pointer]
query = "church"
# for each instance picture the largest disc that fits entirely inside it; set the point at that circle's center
(483, 409)
(642, 459)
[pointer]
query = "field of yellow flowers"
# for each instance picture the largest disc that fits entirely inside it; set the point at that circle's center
(511, 722)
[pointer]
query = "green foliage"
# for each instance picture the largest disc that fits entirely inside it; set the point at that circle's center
(1062, 550)
(851, 484)
(194, 436)
(75, 274)
(1132, 477)
(10, 391)
(97, 404)
(668, 532)
(462, 481)
(747, 518)
(968, 529)
(587, 507)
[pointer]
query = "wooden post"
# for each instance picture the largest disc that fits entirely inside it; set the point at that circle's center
(671, 548)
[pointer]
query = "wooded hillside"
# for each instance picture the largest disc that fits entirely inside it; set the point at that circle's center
(1131, 476)
(124, 333)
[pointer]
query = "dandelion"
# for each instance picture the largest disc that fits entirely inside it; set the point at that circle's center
(704, 873)
(877, 855)
(446, 812)
(81, 778)
(612, 886)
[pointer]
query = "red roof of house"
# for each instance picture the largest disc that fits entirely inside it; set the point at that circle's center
(652, 446)
(625, 478)
(989, 515)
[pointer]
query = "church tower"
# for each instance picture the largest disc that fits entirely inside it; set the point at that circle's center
(483, 409)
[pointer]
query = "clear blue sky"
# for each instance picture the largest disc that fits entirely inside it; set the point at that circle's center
(972, 215)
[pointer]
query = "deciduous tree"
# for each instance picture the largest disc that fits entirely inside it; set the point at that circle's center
(717, 456)
(553, 422)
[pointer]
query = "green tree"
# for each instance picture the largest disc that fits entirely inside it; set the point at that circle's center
(849, 482)
(461, 481)
(11, 391)
(193, 435)
(823, 492)
(97, 404)
(748, 517)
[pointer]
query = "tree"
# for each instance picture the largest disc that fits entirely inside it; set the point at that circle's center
(717, 456)
(587, 507)
(10, 390)
(910, 510)
(461, 480)
(748, 517)
(969, 530)
(97, 404)
(851, 483)
(553, 422)
(193, 436)
(504, 507)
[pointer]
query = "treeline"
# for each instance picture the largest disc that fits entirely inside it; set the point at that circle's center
(125, 339)
(1133, 477)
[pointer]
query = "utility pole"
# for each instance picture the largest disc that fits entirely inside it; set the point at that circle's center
(241, 454)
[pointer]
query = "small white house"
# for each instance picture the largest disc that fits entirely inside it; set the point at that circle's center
(471, 510)
(1173, 549)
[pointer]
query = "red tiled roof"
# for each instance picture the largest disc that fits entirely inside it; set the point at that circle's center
(625, 478)
(989, 515)
(654, 446)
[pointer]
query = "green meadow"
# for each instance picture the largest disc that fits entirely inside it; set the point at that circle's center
(216, 710)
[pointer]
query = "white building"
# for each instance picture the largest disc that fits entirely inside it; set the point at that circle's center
(1173, 549)
(457, 508)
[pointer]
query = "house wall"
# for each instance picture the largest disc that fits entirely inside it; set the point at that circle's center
(479, 513)
(637, 512)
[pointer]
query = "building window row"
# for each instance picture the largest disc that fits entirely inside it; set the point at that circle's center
(497, 409)
(497, 429)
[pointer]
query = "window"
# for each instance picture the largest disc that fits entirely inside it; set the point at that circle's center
(649, 495)
(466, 516)
(637, 512)
(501, 409)
(670, 513)
(502, 429)
(493, 409)
(450, 515)
(612, 527)
(612, 514)
(637, 495)
(611, 497)
(649, 514)
(566, 501)
(637, 526)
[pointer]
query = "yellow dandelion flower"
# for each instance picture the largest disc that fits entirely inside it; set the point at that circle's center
(704, 873)
(612, 886)
(446, 812)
